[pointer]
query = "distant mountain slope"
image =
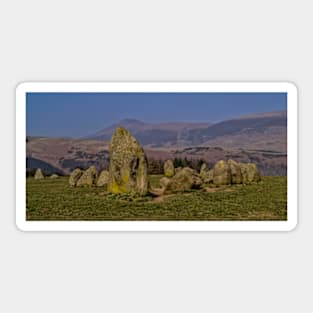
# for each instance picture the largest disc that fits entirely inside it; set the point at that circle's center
(273, 114)
(263, 131)
(153, 135)
(64, 155)
(270, 139)
(32, 164)
(255, 123)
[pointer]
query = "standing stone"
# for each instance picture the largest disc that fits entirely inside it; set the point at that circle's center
(250, 173)
(236, 175)
(221, 173)
(204, 168)
(208, 178)
(206, 174)
(178, 169)
(169, 169)
(164, 181)
(75, 176)
(184, 180)
(88, 178)
(103, 178)
(128, 170)
(39, 174)
(54, 176)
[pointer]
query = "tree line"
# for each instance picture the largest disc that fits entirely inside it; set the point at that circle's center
(156, 166)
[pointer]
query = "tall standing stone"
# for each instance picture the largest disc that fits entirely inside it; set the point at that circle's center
(169, 169)
(128, 170)
(39, 174)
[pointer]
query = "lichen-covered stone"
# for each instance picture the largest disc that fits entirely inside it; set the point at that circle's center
(88, 178)
(103, 178)
(236, 175)
(204, 168)
(54, 176)
(221, 173)
(164, 181)
(128, 170)
(208, 178)
(39, 174)
(169, 169)
(75, 176)
(250, 173)
(206, 174)
(178, 169)
(184, 180)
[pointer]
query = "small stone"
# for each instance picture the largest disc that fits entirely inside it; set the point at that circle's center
(164, 181)
(250, 173)
(169, 169)
(39, 174)
(206, 174)
(221, 173)
(178, 169)
(75, 176)
(204, 168)
(54, 176)
(208, 177)
(236, 175)
(103, 178)
(88, 178)
(184, 180)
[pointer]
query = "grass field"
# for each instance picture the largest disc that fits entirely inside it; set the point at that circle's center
(54, 199)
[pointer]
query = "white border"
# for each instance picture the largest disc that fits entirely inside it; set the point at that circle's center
(292, 108)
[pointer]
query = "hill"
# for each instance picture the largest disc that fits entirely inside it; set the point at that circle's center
(32, 164)
(64, 155)
(259, 131)
(263, 131)
(153, 135)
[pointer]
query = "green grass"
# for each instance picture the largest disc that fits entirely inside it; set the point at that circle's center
(54, 199)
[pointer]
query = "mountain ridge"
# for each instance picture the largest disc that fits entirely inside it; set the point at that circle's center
(264, 127)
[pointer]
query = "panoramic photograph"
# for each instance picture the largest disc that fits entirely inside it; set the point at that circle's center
(165, 156)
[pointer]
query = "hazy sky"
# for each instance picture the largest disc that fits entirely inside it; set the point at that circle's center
(80, 114)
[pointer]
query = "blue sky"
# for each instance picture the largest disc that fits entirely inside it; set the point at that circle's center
(80, 114)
